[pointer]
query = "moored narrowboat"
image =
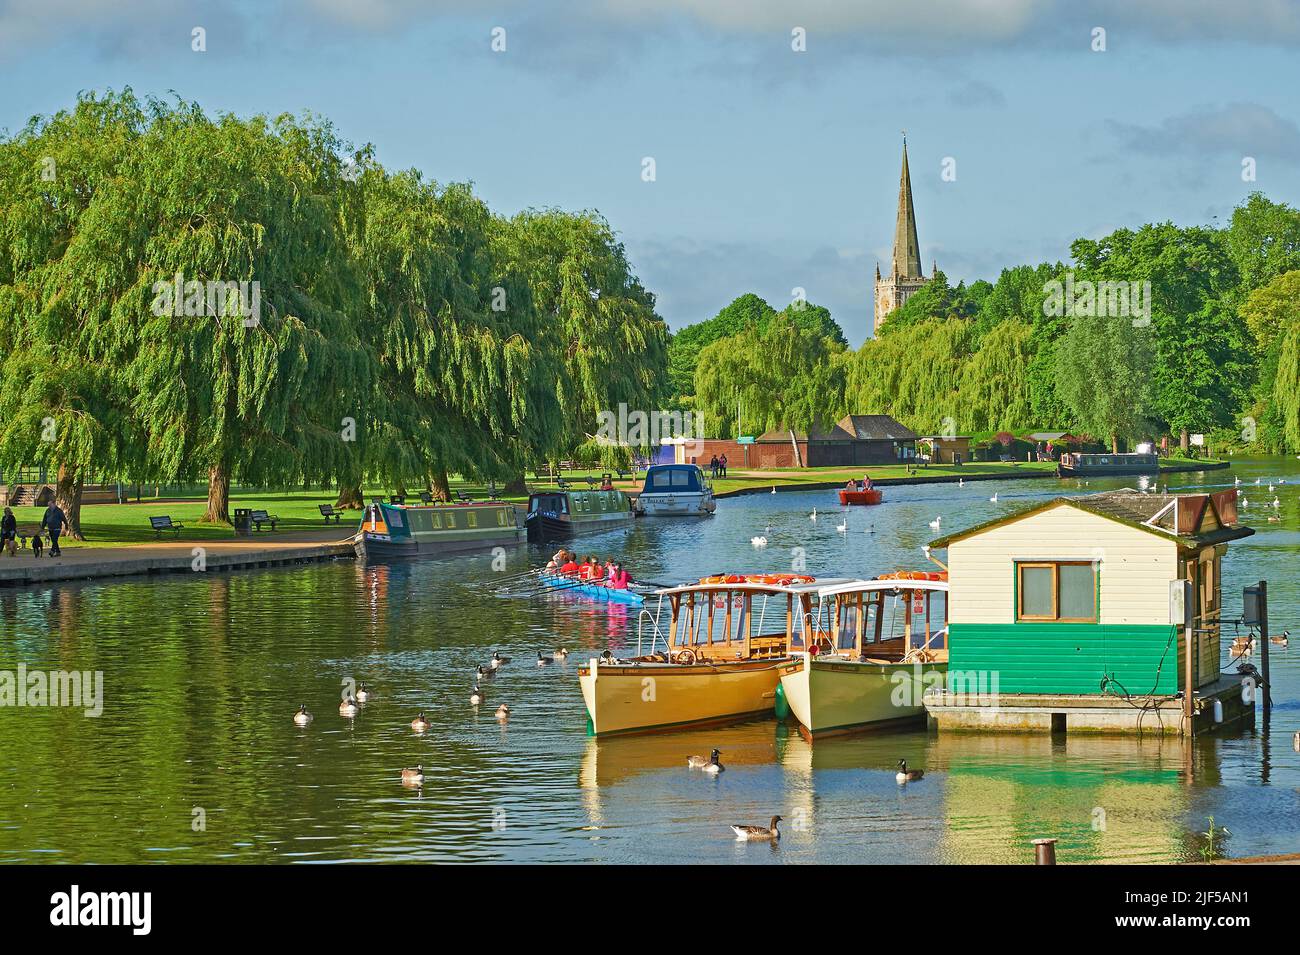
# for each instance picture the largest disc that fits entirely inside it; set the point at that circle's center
(396, 530)
(560, 515)
(1100, 465)
(672, 490)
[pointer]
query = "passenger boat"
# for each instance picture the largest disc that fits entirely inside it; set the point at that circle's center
(560, 515)
(867, 496)
(708, 653)
(675, 490)
(595, 591)
(398, 530)
(875, 647)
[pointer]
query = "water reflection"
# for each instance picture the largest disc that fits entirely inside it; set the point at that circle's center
(203, 673)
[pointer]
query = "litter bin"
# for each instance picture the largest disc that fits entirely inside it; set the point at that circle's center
(243, 521)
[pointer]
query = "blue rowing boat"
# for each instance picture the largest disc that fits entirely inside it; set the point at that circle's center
(594, 591)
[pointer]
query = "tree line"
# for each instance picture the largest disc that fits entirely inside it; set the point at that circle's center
(401, 330)
(1205, 339)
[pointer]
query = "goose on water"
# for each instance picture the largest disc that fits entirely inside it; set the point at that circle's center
(699, 762)
(413, 777)
(905, 775)
(475, 696)
(302, 717)
(503, 712)
(348, 707)
(420, 724)
(769, 832)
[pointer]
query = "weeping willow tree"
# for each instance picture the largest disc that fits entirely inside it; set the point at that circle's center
(995, 392)
(913, 374)
(1286, 385)
(244, 361)
(63, 286)
(787, 376)
(459, 382)
(592, 316)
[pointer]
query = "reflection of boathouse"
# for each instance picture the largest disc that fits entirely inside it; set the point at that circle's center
(1060, 616)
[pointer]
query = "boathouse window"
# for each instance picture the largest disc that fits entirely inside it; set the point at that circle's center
(1056, 591)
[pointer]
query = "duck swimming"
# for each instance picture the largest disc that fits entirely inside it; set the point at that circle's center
(905, 775)
(699, 762)
(770, 832)
(413, 777)
(348, 707)
(562, 653)
(420, 724)
(503, 712)
(302, 717)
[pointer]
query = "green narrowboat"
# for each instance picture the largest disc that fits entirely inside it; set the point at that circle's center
(560, 515)
(395, 530)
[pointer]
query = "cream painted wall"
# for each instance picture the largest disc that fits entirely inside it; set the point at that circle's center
(1136, 567)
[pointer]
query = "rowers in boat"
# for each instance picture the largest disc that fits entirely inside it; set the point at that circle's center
(608, 581)
(875, 646)
(707, 653)
(860, 492)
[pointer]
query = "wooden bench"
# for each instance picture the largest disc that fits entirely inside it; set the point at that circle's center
(327, 511)
(23, 535)
(624, 475)
(562, 484)
(261, 517)
(464, 498)
(397, 499)
(426, 497)
(165, 523)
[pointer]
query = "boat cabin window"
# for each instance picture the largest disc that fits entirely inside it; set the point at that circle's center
(1056, 592)
(550, 504)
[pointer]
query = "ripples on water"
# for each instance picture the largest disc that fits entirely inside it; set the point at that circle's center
(202, 675)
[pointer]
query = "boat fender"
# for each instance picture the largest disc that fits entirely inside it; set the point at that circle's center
(781, 706)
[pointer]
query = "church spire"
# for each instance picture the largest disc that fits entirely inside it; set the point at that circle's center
(907, 250)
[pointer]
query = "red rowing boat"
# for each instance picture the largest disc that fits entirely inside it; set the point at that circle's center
(871, 496)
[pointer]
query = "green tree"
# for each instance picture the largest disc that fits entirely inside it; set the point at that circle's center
(1103, 370)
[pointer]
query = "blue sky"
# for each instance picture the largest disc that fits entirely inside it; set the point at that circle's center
(775, 169)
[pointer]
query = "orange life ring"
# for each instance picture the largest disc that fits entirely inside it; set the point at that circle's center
(734, 579)
(712, 580)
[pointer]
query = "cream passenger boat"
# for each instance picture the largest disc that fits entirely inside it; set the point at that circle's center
(708, 653)
(876, 646)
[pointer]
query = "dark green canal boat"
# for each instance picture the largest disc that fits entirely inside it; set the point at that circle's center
(395, 530)
(560, 515)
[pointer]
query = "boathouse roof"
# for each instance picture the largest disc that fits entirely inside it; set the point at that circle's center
(875, 427)
(1192, 520)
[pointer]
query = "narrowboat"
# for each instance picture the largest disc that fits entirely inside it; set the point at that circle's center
(595, 591)
(560, 515)
(875, 646)
(708, 653)
(675, 490)
(398, 530)
(1100, 465)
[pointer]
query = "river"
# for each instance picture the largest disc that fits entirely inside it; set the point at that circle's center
(195, 758)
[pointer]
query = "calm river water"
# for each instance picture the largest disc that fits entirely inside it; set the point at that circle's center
(195, 758)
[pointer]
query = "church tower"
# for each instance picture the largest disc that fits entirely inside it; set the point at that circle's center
(905, 275)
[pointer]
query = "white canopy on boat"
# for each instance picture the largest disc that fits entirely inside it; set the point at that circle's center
(833, 588)
(815, 587)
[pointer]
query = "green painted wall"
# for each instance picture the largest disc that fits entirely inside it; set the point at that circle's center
(1066, 657)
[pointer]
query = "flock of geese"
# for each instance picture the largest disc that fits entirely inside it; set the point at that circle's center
(712, 764)
(350, 704)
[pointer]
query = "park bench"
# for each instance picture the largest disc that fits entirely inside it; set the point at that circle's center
(327, 511)
(261, 517)
(25, 534)
(562, 484)
(165, 523)
(464, 498)
(397, 499)
(591, 482)
(624, 475)
(426, 497)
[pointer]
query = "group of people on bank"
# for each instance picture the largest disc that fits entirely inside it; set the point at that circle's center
(718, 467)
(610, 574)
(53, 523)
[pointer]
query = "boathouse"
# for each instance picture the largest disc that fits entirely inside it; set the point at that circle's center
(1063, 613)
(855, 440)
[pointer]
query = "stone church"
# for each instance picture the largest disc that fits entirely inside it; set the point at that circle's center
(905, 275)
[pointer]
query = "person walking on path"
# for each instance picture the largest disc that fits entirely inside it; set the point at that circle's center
(54, 520)
(8, 531)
